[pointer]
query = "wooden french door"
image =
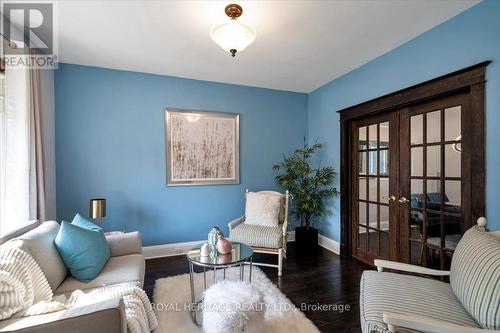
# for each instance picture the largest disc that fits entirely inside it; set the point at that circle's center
(411, 185)
(435, 180)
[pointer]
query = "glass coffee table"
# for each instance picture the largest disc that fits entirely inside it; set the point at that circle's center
(240, 256)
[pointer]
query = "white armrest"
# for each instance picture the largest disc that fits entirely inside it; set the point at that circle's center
(105, 316)
(235, 222)
(425, 324)
(381, 264)
(123, 244)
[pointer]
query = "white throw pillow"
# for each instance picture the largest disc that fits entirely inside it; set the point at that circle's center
(262, 209)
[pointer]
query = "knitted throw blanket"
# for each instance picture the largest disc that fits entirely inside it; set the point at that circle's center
(24, 291)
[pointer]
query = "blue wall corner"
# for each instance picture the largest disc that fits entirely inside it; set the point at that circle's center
(110, 142)
(467, 39)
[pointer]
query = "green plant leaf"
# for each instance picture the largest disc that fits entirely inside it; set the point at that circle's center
(309, 186)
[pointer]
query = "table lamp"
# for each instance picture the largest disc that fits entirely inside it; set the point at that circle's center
(97, 209)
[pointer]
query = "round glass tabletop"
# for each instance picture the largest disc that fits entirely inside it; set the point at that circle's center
(240, 253)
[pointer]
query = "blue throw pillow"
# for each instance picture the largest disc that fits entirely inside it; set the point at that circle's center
(83, 251)
(81, 221)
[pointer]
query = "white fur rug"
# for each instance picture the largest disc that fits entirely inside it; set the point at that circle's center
(172, 296)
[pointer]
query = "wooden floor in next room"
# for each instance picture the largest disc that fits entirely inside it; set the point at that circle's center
(323, 278)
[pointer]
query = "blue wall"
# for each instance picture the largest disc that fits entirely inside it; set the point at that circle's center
(465, 40)
(110, 142)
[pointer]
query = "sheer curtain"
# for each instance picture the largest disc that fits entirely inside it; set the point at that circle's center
(21, 192)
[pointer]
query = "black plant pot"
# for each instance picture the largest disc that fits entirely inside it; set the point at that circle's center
(306, 240)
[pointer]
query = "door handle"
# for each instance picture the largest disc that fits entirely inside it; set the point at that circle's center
(403, 200)
(392, 198)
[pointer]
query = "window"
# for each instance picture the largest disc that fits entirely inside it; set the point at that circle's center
(15, 152)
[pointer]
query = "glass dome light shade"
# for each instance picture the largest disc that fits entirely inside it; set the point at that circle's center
(233, 36)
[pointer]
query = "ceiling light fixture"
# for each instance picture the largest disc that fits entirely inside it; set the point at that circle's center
(233, 36)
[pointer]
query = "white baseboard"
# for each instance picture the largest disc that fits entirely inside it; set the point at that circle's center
(168, 250)
(329, 244)
(175, 249)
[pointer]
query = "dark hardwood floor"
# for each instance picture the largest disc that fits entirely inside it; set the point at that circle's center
(322, 278)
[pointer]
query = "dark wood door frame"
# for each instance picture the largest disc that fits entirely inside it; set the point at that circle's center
(470, 80)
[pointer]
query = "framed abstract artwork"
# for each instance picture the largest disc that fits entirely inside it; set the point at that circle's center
(202, 148)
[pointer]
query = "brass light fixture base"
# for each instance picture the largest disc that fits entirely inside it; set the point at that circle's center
(233, 36)
(233, 11)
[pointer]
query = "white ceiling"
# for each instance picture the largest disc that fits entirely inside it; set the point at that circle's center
(300, 45)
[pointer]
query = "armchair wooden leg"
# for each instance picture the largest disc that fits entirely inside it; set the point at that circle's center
(280, 262)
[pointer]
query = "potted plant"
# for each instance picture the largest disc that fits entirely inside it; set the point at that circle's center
(309, 188)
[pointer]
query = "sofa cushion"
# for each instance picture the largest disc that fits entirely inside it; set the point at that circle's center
(411, 295)
(83, 251)
(475, 276)
(129, 268)
(258, 235)
(40, 243)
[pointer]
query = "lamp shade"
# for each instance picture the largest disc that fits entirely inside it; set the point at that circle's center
(97, 208)
(233, 36)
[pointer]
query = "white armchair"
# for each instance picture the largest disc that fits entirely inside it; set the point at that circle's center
(397, 321)
(264, 239)
(392, 302)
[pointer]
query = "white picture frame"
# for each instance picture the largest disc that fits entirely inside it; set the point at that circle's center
(202, 147)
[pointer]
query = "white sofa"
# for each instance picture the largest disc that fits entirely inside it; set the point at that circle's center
(126, 264)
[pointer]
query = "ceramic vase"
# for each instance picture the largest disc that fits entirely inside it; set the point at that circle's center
(205, 250)
(213, 237)
(223, 245)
